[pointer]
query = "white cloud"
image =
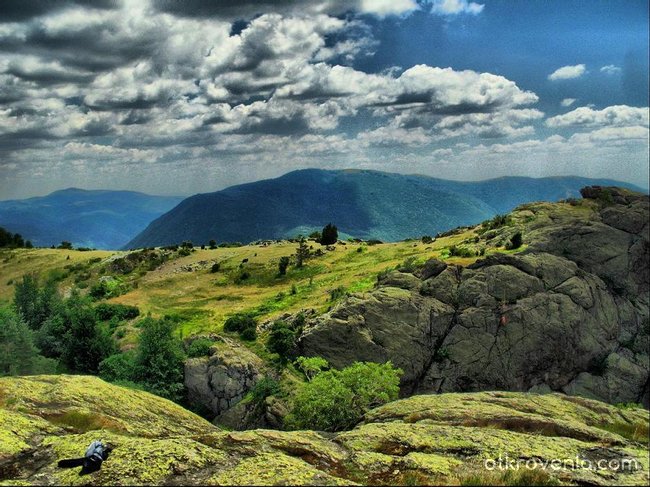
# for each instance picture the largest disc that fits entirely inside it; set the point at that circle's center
(616, 115)
(567, 102)
(388, 7)
(455, 7)
(568, 72)
(610, 69)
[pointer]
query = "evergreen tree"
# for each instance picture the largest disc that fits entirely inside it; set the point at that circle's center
(302, 252)
(85, 344)
(330, 235)
(17, 350)
(159, 361)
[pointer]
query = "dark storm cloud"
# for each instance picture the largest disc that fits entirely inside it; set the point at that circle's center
(22, 10)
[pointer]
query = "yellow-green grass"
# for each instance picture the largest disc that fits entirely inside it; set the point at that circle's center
(203, 300)
(16, 263)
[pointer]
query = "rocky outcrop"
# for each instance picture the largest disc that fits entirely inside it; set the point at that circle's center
(217, 383)
(447, 439)
(569, 313)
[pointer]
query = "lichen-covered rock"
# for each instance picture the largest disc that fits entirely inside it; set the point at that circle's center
(569, 313)
(220, 381)
(446, 439)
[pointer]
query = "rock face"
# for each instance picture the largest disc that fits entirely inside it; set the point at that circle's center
(569, 313)
(446, 439)
(220, 381)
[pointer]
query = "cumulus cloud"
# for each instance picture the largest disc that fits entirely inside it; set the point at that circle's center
(246, 9)
(610, 69)
(455, 7)
(568, 72)
(567, 102)
(617, 116)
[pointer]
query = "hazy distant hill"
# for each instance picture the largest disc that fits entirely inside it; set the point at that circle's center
(366, 204)
(100, 219)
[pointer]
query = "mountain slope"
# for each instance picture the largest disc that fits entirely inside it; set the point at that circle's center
(366, 204)
(424, 440)
(100, 219)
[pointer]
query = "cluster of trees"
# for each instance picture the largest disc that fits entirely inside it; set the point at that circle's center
(45, 333)
(13, 240)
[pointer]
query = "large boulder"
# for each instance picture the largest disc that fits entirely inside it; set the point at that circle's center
(219, 382)
(568, 314)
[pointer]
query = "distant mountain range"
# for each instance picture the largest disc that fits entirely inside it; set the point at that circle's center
(364, 204)
(96, 219)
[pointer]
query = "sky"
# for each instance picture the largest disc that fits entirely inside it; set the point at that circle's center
(190, 96)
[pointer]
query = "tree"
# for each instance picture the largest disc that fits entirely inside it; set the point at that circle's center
(35, 303)
(212, 244)
(316, 236)
(302, 252)
(65, 245)
(17, 350)
(85, 344)
(281, 339)
(159, 360)
(282, 265)
(330, 235)
(337, 400)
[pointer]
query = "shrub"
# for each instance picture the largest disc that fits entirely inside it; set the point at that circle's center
(212, 244)
(281, 339)
(107, 311)
(337, 400)
(215, 267)
(199, 347)
(265, 387)
(311, 366)
(118, 367)
(426, 239)
(337, 293)
(282, 265)
(248, 334)
(244, 324)
(457, 251)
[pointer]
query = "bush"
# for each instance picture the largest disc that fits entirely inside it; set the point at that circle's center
(337, 293)
(244, 324)
(282, 265)
(107, 311)
(457, 251)
(311, 366)
(199, 348)
(265, 387)
(215, 267)
(248, 334)
(337, 400)
(281, 339)
(118, 367)
(426, 239)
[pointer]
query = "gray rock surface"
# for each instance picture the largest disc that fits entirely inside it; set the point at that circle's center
(220, 381)
(568, 314)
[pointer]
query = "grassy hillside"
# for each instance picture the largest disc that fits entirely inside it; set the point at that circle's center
(424, 440)
(364, 204)
(248, 280)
